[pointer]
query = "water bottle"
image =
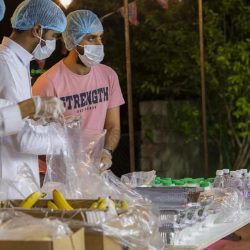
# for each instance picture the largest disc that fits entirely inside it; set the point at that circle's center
(232, 173)
(247, 191)
(236, 181)
(219, 179)
(244, 172)
(226, 174)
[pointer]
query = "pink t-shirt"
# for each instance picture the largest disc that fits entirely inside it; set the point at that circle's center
(89, 96)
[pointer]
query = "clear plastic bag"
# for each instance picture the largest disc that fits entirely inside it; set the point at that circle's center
(138, 228)
(92, 143)
(79, 160)
(118, 190)
(229, 204)
(62, 167)
(23, 185)
(75, 171)
(19, 226)
(137, 179)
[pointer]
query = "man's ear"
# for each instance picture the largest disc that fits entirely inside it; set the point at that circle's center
(36, 31)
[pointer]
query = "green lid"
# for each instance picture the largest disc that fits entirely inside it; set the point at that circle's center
(166, 182)
(187, 179)
(157, 178)
(157, 182)
(211, 180)
(184, 180)
(179, 182)
(204, 184)
(167, 178)
(194, 181)
(199, 179)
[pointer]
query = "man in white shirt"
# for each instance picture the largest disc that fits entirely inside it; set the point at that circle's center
(36, 26)
(11, 115)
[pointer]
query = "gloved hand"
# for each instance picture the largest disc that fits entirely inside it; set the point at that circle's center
(48, 108)
(106, 160)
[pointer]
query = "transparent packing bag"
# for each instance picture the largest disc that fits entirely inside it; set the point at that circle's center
(62, 165)
(137, 228)
(76, 170)
(19, 226)
(137, 179)
(24, 184)
(79, 158)
(228, 204)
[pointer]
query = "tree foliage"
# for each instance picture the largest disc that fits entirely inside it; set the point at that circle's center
(165, 64)
(227, 32)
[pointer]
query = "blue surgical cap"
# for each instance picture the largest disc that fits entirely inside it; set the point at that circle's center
(80, 23)
(2, 9)
(38, 12)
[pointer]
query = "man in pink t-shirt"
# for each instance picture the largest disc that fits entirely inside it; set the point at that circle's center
(86, 87)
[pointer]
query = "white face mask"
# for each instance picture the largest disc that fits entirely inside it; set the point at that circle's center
(93, 54)
(44, 52)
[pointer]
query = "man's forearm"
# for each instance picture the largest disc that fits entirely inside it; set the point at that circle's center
(112, 138)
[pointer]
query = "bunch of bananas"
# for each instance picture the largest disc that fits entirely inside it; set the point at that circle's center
(32, 199)
(101, 203)
(59, 201)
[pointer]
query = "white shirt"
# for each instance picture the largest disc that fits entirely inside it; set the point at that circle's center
(10, 119)
(32, 140)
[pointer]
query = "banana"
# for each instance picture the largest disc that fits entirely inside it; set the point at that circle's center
(94, 205)
(102, 205)
(60, 201)
(124, 205)
(100, 200)
(31, 200)
(52, 205)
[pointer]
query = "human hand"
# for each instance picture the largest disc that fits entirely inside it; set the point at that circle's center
(106, 160)
(48, 108)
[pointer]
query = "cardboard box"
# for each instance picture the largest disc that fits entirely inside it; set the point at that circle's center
(97, 241)
(93, 240)
(81, 239)
(71, 242)
(40, 210)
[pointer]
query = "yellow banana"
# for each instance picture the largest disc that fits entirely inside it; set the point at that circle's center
(60, 201)
(52, 205)
(94, 205)
(32, 199)
(100, 200)
(102, 205)
(124, 205)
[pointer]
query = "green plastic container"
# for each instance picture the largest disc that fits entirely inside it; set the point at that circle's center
(179, 182)
(166, 183)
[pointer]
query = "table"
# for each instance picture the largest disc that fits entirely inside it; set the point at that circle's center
(198, 240)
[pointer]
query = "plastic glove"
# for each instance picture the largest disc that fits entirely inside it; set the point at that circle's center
(48, 108)
(106, 160)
